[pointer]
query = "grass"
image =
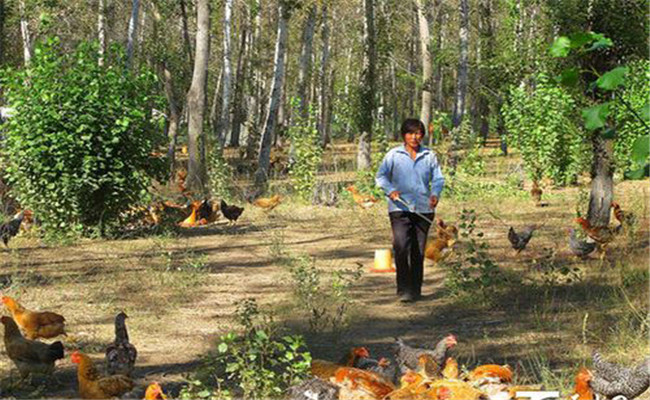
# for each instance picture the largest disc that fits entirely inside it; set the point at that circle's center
(180, 290)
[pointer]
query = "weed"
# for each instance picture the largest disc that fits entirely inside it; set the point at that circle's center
(553, 272)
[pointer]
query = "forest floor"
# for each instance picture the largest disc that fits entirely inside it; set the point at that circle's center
(179, 292)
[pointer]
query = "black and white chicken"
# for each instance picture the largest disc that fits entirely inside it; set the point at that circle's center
(10, 228)
(612, 380)
(407, 356)
(121, 355)
(521, 239)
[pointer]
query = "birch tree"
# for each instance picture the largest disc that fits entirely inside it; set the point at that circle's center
(427, 70)
(461, 82)
(241, 75)
(101, 30)
(24, 30)
(304, 73)
(224, 121)
(367, 88)
(196, 174)
(133, 31)
(323, 114)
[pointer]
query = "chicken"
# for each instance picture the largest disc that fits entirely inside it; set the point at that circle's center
(362, 201)
(314, 388)
(625, 220)
(428, 367)
(582, 389)
(231, 212)
(327, 369)
(521, 239)
(10, 228)
(410, 386)
(121, 355)
(451, 369)
(30, 356)
(407, 357)
(603, 235)
(35, 324)
(268, 203)
(580, 248)
(536, 193)
(94, 386)
(438, 249)
(446, 231)
(613, 380)
(370, 385)
(455, 390)
(383, 367)
(502, 372)
(154, 392)
(191, 220)
(207, 212)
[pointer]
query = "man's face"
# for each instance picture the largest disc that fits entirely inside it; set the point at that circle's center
(413, 139)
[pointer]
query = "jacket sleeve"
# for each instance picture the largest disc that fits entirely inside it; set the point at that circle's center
(384, 174)
(437, 180)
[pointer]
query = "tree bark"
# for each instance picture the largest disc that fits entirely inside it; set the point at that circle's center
(24, 30)
(323, 78)
(367, 89)
(133, 30)
(602, 180)
(263, 160)
(427, 70)
(172, 119)
(196, 174)
(2, 31)
(461, 83)
(304, 73)
(239, 112)
(186, 33)
(224, 121)
(101, 31)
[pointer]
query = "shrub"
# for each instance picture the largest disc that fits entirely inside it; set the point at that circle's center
(78, 148)
(308, 152)
(220, 175)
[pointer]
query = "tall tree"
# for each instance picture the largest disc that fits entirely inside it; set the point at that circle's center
(196, 174)
(224, 121)
(304, 73)
(427, 68)
(133, 31)
(24, 30)
(2, 31)
(264, 154)
(239, 111)
(323, 114)
(186, 33)
(463, 61)
(101, 30)
(367, 88)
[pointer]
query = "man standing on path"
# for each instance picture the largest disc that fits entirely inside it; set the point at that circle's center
(410, 176)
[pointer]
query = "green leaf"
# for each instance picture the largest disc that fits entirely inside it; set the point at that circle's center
(611, 80)
(568, 77)
(560, 47)
(610, 133)
(579, 39)
(638, 173)
(600, 42)
(645, 112)
(222, 348)
(596, 116)
(641, 149)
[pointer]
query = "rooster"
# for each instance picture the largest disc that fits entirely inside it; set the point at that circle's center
(362, 201)
(326, 369)
(580, 248)
(30, 356)
(35, 324)
(603, 235)
(614, 380)
(407, 357)
(269, 203)
(121, 355)
(625, 220)
(10, 228)
(521, 239)
(231, 212)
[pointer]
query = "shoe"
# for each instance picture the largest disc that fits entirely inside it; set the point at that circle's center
(406, 298)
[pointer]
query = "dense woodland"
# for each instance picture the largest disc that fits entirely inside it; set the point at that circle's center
(120, 118)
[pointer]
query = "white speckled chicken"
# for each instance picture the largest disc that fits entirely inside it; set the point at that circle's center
(407, 357)
(613, 380)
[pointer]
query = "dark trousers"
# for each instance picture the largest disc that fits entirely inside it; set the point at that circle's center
(409, 240)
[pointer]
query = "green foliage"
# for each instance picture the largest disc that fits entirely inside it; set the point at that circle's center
(475, 274)
(78, 149)
(595, 117)
(220, 175)
(554, 272)
(308, 152)
(540, 124)
(258, 363)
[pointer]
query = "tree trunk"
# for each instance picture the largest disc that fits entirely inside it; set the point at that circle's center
(304, 73)
(367, 89)
(323, 78)
(186, 33)
(172, 119)
(133, 30)
(427, 70)
(224, 121)
(239, 112)
(602, 180)
(213, 118)
(346, 90)
(196, 174)
(263, 161)
(2, 31)
(101, 31)
(253, 128)
(461, 84)
(24, 30)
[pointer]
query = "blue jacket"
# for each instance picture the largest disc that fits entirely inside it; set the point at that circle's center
(416, 180)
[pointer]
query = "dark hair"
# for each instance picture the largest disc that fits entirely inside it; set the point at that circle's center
(412, 125)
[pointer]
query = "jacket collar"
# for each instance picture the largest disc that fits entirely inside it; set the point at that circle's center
(422, 151)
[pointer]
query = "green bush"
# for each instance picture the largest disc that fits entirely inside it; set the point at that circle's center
(308, 152)
(78, 149)
(220, 175)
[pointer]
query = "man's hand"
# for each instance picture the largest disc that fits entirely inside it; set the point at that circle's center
(394, 195)
(433, 202)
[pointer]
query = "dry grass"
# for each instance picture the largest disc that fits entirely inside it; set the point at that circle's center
(179, 292)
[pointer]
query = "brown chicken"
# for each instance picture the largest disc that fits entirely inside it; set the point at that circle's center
(446, 231)
(327, 369)
(35, 324)
(438, 249)
(451, 369)
(410, 387)
(191, 220)
(428, 367)
(154, 392)
(370, 384)
(625, 219)
(30, 356)
(456, 390)
(582, 388)
(268, 203)
(503, 372)
(94, 386)
(536, 193)
(603, 235)
(362, 201)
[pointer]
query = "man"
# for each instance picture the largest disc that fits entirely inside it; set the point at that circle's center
(410, 176)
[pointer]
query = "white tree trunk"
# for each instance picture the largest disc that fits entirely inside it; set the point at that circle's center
(461, 83)
(101, 30)
(239, 111)
(304, 73)
(323, 75)
(367, 89)
(261, 175)
(186, 33)
(427, 70)
(196, 100)
(224, 122)
(133, 30)
(24, 30)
